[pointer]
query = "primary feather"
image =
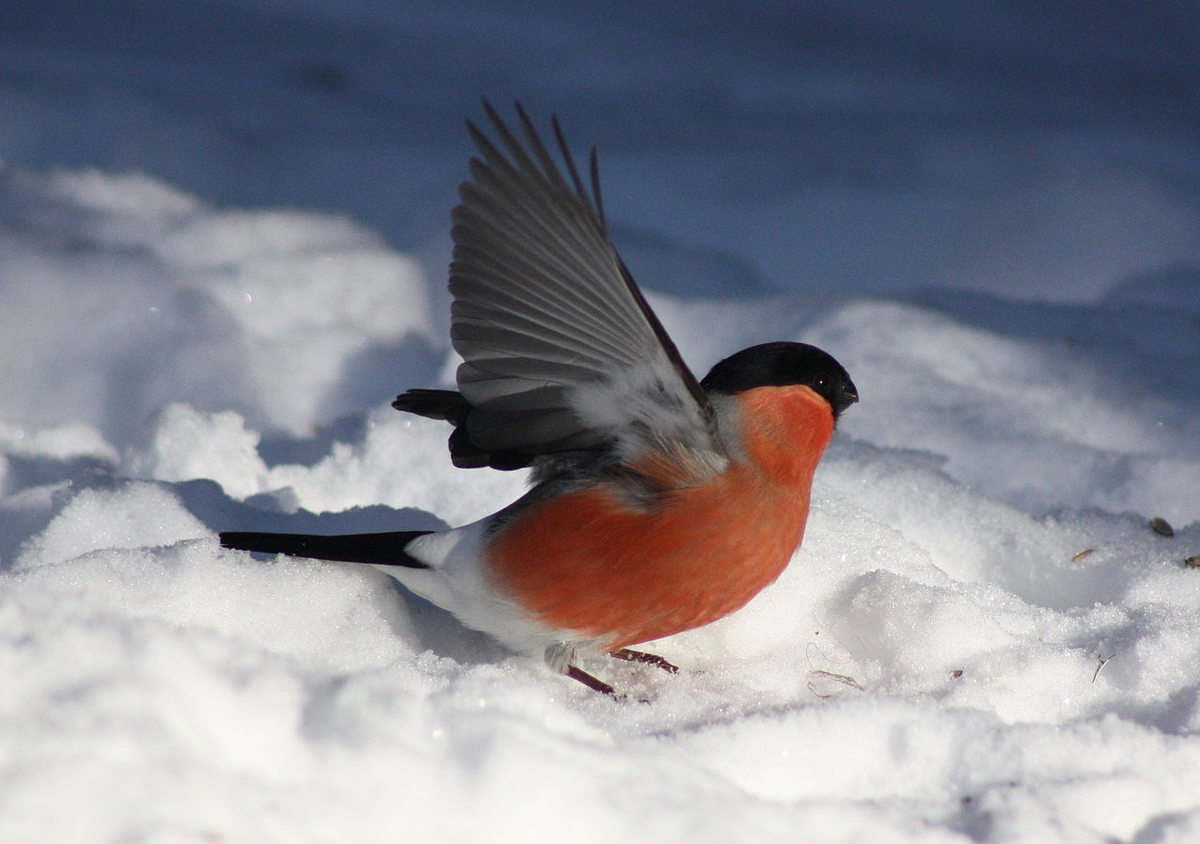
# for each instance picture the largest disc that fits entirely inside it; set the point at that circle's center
(562, 355)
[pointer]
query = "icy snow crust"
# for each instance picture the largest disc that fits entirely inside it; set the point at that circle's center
(982, 638)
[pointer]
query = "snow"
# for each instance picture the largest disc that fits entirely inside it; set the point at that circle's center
(223, 237)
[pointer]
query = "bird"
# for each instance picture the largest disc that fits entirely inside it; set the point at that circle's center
(657, 502)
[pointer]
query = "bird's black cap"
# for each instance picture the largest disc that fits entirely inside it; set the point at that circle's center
(781, 364)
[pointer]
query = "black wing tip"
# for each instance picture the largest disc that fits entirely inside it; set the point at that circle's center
(447, 405)
(597, 198)
(519, 154)
(489, 109)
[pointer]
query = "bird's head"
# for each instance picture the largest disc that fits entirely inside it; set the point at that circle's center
(782, 364)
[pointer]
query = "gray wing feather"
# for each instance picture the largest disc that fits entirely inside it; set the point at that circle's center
(560, 350)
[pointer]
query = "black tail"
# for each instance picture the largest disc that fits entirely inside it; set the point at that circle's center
(380, 549)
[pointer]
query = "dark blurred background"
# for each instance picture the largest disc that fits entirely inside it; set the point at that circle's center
(1028, 149)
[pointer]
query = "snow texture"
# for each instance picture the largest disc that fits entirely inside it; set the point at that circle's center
(223, 239)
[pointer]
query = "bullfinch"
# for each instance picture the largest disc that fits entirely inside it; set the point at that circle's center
(658, 503)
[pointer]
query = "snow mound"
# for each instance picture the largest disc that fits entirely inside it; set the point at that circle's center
(119, 294)
(983, 635)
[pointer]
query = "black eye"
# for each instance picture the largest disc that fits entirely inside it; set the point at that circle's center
(820, 380)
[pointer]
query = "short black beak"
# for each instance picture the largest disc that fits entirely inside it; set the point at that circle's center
(846, 396)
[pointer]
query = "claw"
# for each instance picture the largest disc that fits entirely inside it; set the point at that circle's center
(591, 682)
(596, 684)
(648, 659)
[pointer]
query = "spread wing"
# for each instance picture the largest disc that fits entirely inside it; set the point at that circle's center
(561, 352)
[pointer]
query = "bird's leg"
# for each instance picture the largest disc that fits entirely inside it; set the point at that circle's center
(642, 656)
(590, 681)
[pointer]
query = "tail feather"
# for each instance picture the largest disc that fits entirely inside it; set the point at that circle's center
(380, 549)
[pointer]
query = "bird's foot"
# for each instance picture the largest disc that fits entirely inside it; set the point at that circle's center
(648, 659)
(596, 684)
(591, 682)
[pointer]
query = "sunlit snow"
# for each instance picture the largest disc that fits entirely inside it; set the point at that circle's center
(223, 238)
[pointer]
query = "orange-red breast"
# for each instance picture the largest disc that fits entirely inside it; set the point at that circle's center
(658, 503)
